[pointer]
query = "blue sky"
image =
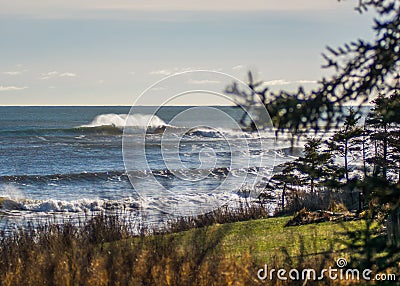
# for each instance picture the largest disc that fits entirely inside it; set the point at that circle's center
(107, 53)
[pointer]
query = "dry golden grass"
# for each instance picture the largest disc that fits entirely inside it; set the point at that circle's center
(103, 252)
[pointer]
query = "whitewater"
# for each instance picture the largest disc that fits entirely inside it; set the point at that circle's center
(67, 162)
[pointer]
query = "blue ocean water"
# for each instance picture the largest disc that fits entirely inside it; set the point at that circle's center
(68, 160)
(45, 155)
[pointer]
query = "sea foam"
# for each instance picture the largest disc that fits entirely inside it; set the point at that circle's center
(122, 120)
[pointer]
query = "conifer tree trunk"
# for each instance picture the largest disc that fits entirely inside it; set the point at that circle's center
(283, 196)
(375, 171)
(398, 180)
(385, 147)
(312, 185)
(394, 228)
(364, 155)
(346, 169)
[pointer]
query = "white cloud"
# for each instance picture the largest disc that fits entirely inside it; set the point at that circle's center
(12, 88)
(204, 81)
(67, 74)
(14, 72)
(277, 82)
(238, 67)
(304, 81)
(51, 73)
(54, 74)
(48, 75)
(167, 72)
(287, 82)
(161, 72)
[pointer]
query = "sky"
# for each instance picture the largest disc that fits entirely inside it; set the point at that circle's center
(93, 52)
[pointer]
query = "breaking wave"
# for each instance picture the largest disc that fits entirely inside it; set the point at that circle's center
(75, 206)
(104, 124)
(122, 120)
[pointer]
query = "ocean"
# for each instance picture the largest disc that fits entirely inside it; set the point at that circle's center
(69, 162)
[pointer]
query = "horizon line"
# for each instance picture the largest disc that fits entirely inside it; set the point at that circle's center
(111, 105)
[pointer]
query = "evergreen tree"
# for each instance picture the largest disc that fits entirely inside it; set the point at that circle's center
(381, 124)
(360, 68)
(347, 140)
(316, 166)
(384, 185)
(313, 170)
(287, 181)
(394, 133)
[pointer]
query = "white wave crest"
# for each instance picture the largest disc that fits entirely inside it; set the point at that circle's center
(10, 192)
(122, 120)
(76, 206)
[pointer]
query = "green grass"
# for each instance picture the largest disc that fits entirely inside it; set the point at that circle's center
(264, 237)
(101, 253)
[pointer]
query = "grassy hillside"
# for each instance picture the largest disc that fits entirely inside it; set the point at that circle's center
(101, 253)
(266, 238)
